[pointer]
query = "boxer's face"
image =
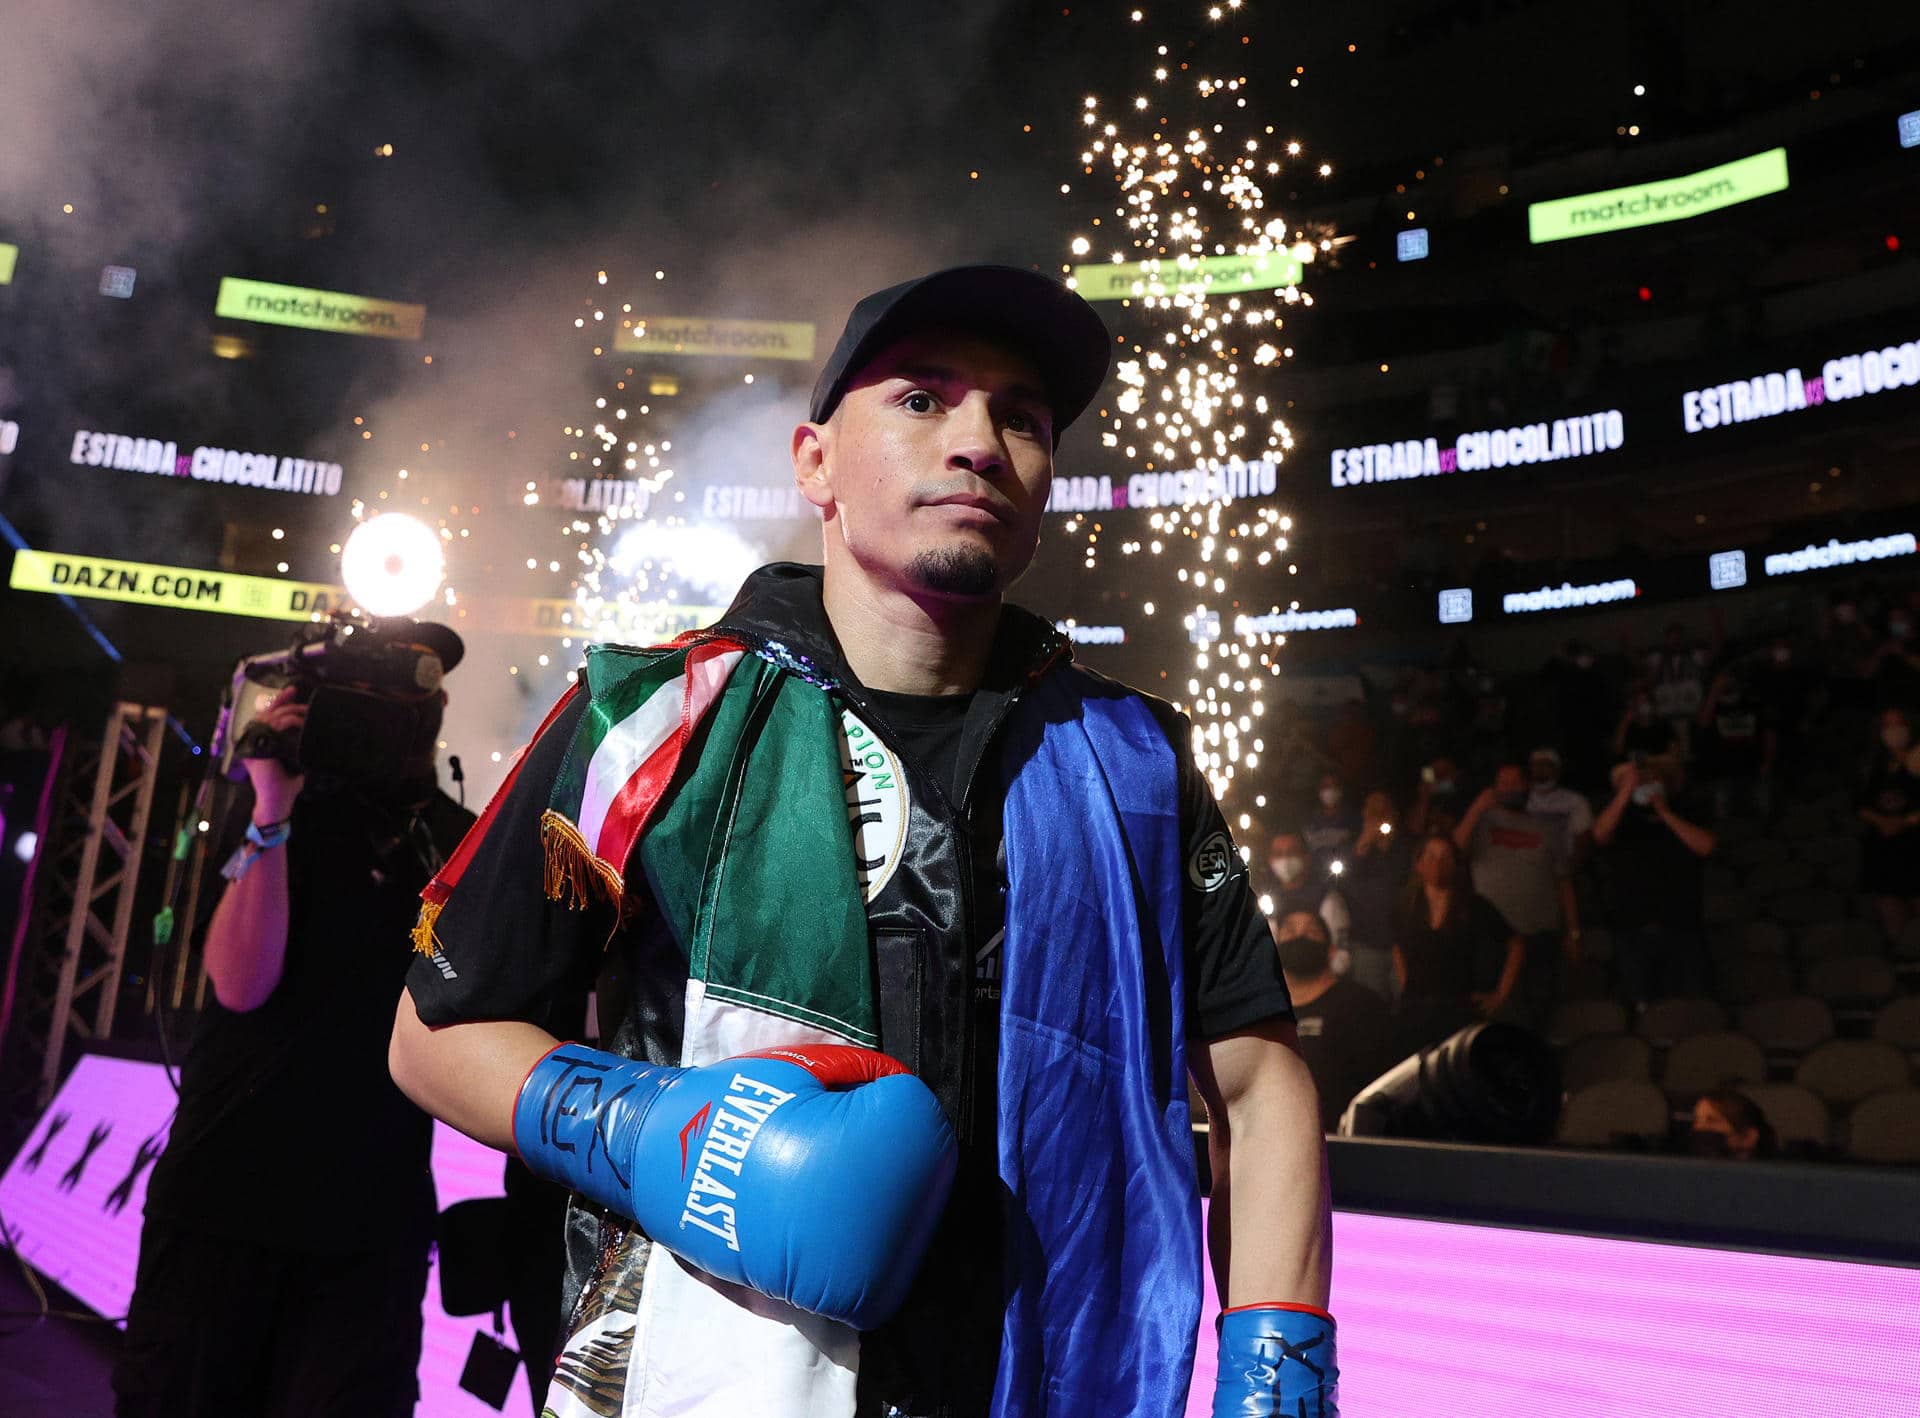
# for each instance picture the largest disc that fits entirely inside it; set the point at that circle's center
(934, 470)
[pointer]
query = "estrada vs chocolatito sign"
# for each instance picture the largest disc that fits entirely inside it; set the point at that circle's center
(221, 465)
(1578, 437)
(332, 310)
(1787, 391)
(1188, 487)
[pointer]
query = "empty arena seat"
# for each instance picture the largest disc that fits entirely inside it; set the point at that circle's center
(1906, 945)
(1800, 1121)
(1898, 1024)
(1843, 1071)
(1825, 938)
(1576, 1018)
(1781, 877)
(1602, 1058)
(1791, 1024)
(1851, 982)
(1584, 979)
(1703, 1061)
(1764, 938)
(1803, 908)
(1610, 1114)
(1747, 978)
(1669, 1019)
(1886, 1128)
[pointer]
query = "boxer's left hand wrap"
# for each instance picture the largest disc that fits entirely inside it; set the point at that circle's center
(814, 1174)
(1276, 1361)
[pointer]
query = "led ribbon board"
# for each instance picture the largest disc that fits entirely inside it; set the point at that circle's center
(1218, 275)
(9, 254)
(690, 335)
(180, 587)
(1668, 200)
(329, 310)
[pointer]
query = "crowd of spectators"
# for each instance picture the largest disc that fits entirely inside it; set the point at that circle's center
(1633, 826)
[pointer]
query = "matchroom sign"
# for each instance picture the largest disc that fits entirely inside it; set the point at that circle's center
(304, 309)
(1215, 275)
(1671, 199)
(689, 335)
(180, 587)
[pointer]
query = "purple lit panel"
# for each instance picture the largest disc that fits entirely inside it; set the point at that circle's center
(1437, 1317)
(89, 1245)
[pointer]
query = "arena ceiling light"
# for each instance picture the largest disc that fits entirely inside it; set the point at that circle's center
(392, 564)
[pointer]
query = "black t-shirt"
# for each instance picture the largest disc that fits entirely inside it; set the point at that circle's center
(1653, 877)
(290, 1130)
(1450, 959)
(1346, 1037)
(1233, 976)
(1733, 745)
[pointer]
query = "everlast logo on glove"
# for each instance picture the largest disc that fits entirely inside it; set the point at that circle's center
(748, 1104)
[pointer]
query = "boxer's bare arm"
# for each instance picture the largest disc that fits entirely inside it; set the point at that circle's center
(467, 1075)
(1269, 1228)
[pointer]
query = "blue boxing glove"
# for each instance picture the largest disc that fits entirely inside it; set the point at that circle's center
(812, 1174)
(1276, 1361)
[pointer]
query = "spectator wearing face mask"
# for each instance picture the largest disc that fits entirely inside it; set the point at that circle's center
(1376, 875)
(1346, 1031)
(1890, 808)
(1727, 1123)
(1298, 886)
(1641, 731)
(1332, 825)
(1445, 936)
(1552, 798)
(1520, 862)
(1735, 746)
(1653, 858)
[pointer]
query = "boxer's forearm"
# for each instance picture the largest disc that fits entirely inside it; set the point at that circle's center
(467, 1075)
(1269, 1228)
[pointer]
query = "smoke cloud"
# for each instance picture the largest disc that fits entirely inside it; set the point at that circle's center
(765, 160)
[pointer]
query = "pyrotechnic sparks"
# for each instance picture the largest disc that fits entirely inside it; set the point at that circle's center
(1212, 272)
(627, 556)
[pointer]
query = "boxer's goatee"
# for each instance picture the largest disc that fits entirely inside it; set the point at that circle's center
(955, 571)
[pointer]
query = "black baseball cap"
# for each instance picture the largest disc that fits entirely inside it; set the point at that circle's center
(443, 640)
(1035, 314)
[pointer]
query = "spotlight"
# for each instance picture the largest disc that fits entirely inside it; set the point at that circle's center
(392, 564)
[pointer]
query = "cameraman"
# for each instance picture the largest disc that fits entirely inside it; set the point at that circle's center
(284, 1256)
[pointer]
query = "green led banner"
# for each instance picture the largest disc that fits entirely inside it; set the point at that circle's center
(691, 335)
(1669, 200)
(8, 255)
(1218, 275)
(305, 309)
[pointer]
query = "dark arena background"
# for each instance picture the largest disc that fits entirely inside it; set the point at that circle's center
(1490, 377)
